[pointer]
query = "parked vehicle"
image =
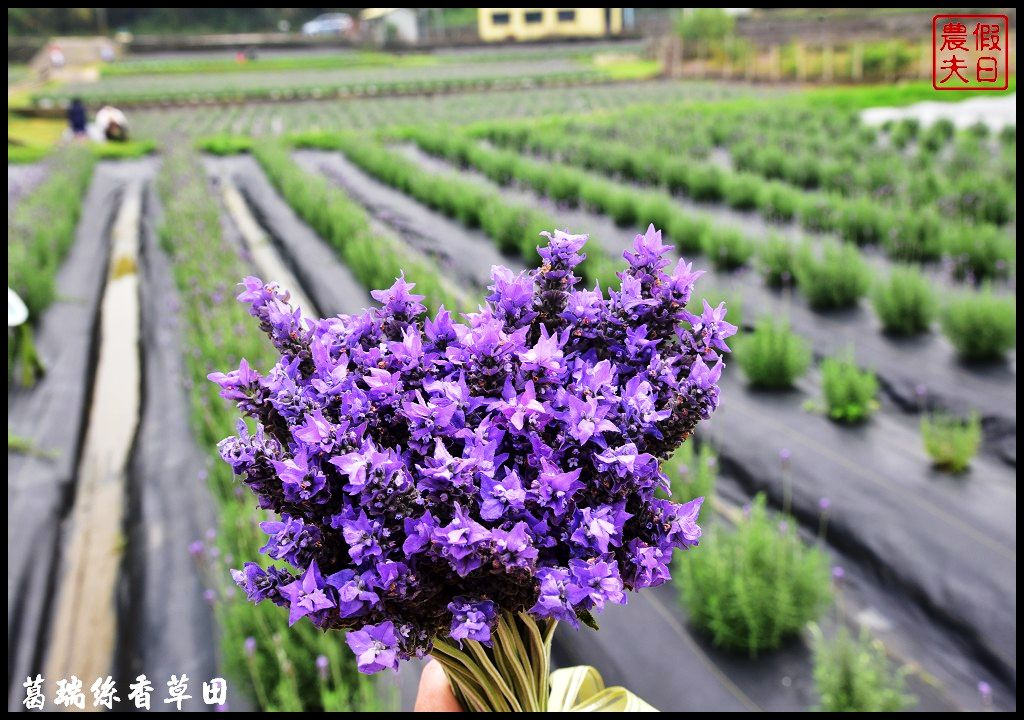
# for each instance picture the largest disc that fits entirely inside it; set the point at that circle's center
(328, 24)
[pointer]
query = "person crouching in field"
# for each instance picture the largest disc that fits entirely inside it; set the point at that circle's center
(111, 125)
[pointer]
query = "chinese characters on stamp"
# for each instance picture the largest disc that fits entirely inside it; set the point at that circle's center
(970, 52)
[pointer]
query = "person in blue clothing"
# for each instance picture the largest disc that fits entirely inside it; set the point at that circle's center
(77, 117)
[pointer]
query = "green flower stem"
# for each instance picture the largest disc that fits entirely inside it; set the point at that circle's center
(511, 675)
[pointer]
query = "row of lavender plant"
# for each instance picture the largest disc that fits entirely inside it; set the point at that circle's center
(834, 278)
(909, 232)
(808, 148)
(149, 93)
(300, 670)
(514, 228)
(817, 146)
(375, 112)
(40, 233)
(374, 260)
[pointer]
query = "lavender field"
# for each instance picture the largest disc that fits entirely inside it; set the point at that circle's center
(858, 530)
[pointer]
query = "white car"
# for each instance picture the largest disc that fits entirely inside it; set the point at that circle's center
(328, 24)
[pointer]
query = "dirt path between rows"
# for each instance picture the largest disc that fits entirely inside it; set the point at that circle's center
(168, 627)
(84, 630)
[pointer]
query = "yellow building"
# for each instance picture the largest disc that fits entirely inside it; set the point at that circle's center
(520, 24)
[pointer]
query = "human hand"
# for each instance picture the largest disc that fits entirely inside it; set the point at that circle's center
(435, 693)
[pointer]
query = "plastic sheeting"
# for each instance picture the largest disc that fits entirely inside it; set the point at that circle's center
(330, 284)
(51, 417)
(166, 625)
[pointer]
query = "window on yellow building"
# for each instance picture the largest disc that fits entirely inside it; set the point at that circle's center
(500, 18)
(566, 16)
(533, 17)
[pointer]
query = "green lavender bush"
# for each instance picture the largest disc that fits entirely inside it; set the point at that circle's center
(915, 236)
(905, 302)
(905, 131)
(752, 587)
(772, 356)
(982, 326)
(779, 202)
(741, 190)
(818, 213)
(706, 183)
(727, 248)
(659, 209)
(836, 278)
(938, 134)
(853, 674)
(770, 161)
(687, 232)
(693, 470)
(225, 144)
(863, 221)
(803, 170)
(977, 198)
(841, 175)
(849, 392)
(951, 442)
(775, 260)
(980, 252)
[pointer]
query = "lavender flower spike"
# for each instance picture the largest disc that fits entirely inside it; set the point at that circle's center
(430, 476)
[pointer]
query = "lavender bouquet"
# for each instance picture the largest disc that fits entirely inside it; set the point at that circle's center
(457, 488)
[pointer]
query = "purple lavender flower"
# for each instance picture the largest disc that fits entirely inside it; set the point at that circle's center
(375, 646)
(472, 620)
(594, 583)
(709, 330)
(499, 496)
(426, 474)
(586, 418)
(354, 596)
(306, 595)
(259, 584)
(553, 600)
